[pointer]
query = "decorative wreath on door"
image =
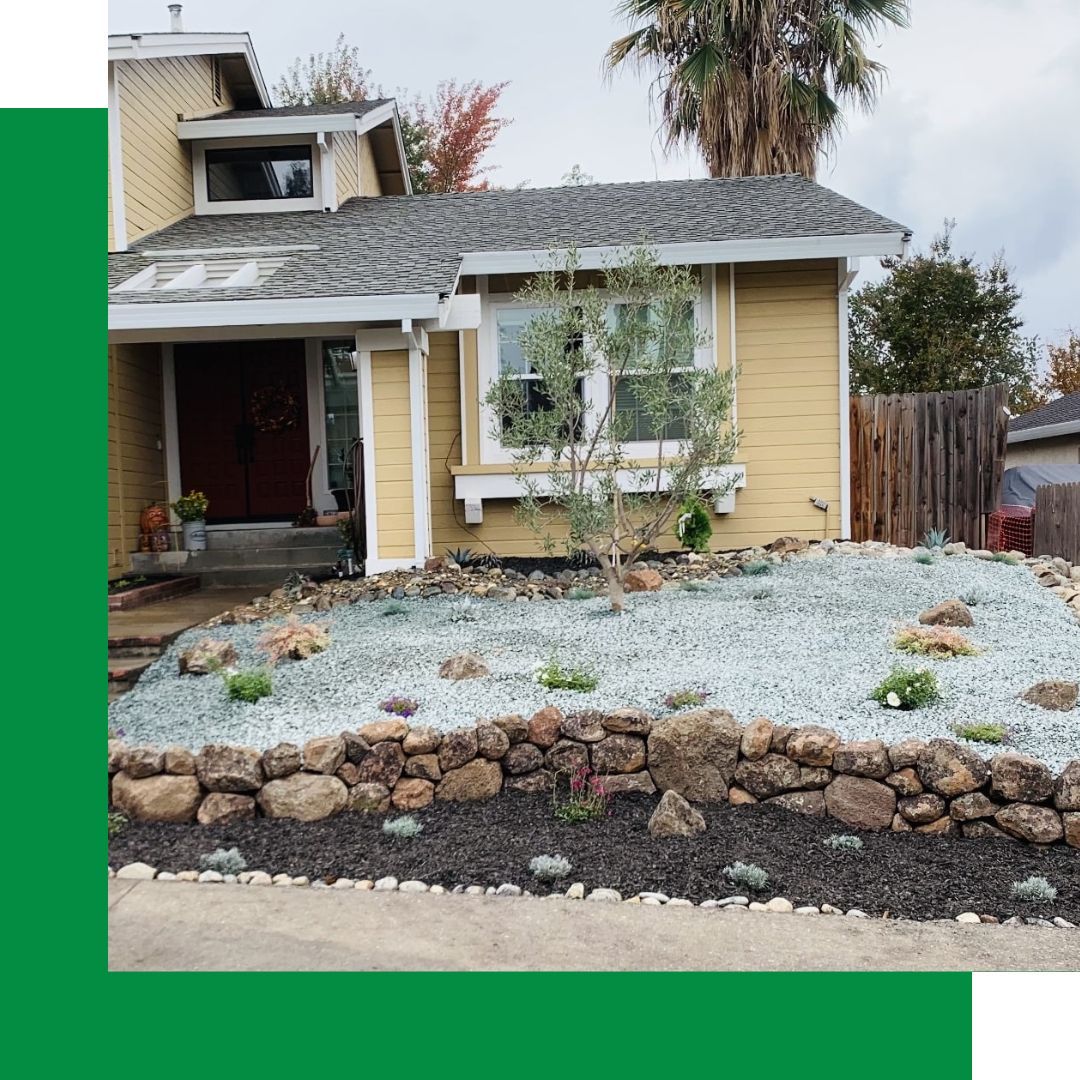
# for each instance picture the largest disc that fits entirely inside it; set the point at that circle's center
(274, 408)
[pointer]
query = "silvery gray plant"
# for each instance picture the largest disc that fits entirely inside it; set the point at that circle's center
(467, 610)
(843, 842)
(550, 867)
(224, 862)
(1034, 890)
(403, 828)
(747, 875)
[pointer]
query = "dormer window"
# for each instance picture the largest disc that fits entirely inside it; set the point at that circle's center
(245, 173)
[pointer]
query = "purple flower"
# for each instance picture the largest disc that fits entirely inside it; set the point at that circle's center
(398, 705)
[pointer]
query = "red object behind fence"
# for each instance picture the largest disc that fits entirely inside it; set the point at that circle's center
(1012, 528)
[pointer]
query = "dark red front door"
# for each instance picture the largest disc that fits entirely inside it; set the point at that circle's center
(242, 421)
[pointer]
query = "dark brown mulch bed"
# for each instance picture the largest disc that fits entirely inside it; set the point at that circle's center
(492, 842)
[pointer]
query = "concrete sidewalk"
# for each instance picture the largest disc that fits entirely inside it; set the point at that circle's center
(178, 926)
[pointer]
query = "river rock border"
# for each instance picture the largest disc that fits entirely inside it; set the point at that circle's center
(938, 788)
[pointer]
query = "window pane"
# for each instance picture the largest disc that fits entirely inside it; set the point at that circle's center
(259, 172)
(342, 417)
(510, 322)
(645, 314)
(641, 425)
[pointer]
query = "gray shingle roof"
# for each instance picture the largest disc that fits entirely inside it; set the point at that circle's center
(357, 108)
(414, 243)
(1062, 410)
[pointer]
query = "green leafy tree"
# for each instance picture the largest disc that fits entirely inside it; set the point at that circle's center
(567, 422)
(325, 78)
(576, 177)
(757, 85)
(940, 321)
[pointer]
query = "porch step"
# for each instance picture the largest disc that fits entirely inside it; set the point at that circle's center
(245, 539)
(124, 672)
(255, 576)
(222, 558)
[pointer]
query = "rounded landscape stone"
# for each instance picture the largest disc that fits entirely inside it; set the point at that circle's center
(324, 755)
(1036, 824)
(412, 794)
(694, 753)
(421, 740)
(457, 747)
(424, 766)
(491, 741)
(393, 729)
(619, 754)
(143, 761)
(369, 798)
(585, 726)
(220, 808)
(544, 726)
(521, 758)
(951, 769)
(475, 780)
(861, 802)
(769, 775)
(1020, 778)
(628, 721)
(812, 745)
(281, 760)
(157, 798)
(865, 757)
(221, 767)
(756, 738)
(304, 797)
(383, 764)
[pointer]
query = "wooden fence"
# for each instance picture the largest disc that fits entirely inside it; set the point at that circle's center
(1057, 521)
(926, 461)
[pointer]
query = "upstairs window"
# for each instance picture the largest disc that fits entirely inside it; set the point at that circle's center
(243, 174)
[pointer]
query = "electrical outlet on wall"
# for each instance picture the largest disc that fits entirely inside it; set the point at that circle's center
(821, 504)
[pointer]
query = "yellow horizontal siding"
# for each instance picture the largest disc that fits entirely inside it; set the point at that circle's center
(136, 465)
(393, 454)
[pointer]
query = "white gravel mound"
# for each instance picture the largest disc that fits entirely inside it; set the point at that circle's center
(809, 652)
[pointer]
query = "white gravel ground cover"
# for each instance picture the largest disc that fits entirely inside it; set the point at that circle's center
(809, 652)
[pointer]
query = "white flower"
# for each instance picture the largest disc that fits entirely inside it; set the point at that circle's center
(893, 699)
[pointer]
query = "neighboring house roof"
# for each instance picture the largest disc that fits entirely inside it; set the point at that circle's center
(356, 108)
(393, 245)
(1058, 417)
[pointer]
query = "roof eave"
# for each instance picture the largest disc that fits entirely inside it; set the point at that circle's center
(710, 251)
(1045, 431)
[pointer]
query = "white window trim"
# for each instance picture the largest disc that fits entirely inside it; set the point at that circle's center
(492, 451)
(320, 161)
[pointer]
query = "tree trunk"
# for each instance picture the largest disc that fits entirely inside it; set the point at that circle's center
(616, 592)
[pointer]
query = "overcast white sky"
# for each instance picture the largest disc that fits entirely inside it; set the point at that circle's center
(979, 120)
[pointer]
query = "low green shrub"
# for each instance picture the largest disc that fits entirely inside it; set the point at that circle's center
(923, 558)
(747, 876)
(694, 526)
(579, 592)
(467, 610)
(940, 642)
(1004, 557)
(693, 586)
(686, 699)
(906, 688)
(760, 592)
(934, 538)
(116, 822)
(248, 686)
(1034, 890)
(843, 842)
(402, 828)
(757, 568)
(394, 607)
(224, 862)
(553, 676)
(586, 800)
(981, 732)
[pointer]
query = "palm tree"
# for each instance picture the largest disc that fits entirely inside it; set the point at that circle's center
(757, 84)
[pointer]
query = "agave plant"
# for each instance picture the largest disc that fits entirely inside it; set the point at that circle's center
(461, 556)
(934, 538)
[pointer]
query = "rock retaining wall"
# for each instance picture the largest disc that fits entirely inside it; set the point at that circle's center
(940, 787)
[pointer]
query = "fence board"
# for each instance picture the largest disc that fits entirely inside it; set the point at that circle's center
(926, 461)
(1057, 521)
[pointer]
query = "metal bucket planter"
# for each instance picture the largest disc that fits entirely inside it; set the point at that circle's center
(194, 535)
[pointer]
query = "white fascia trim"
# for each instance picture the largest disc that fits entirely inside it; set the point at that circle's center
(116, 163)
(156, 46)
(1046, 431)
(846, 269)
(170, 416)
(508, 485)
(711, 251)
(278, 312)
(459, 311)
(419, 453)
(308, 124)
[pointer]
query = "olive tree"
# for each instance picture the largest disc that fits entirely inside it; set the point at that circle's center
(611, 425)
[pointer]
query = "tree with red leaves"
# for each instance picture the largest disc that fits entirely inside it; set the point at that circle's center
(454, 130)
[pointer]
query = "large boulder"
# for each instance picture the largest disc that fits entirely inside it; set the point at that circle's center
(221, 808)
(457, 747)
(491, 741)
(567, 756)
(465, 665)
(1067, 787)
(1071, 824)
(355, 747)
(513, 726)
(208, 656)
(769, 775)
(951, 769)
(383, 764)
(947, 613)
(475, 780)
(811, 803)
(1036, 824)
(905, 781)
(642, 579)
(628, 721)
(674, 816)
(1020, 778)
(694, 753)
(860, 802)
(324, 755)
(585, 726)
(412, 794)
(369, 798)
(421, 740)
(544, 726)
(281, 760)
(921, 809)
(972, 806)
(812, 745)
(1056, 694)
(423, 767)
(905, 754)
(179, 761)
(865, 757)
(522, 758)
(229, 768)
(143, 761)
(756, 738)
(303, 796)
(393, 729)
(619, 754)
(641, 783)
(157, 798)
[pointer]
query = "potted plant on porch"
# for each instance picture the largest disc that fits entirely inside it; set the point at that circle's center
(191, 510)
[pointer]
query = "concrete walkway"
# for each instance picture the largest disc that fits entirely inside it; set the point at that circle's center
(178, 926)
(170, 617)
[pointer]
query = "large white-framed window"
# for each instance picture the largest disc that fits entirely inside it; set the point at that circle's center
(256, 176)
(503, 317)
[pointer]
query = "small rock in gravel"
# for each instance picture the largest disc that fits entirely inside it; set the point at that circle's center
(343, 883)
(828, 909)
(260, 877)
(1015, 920)
(968, 917)
(413, 886)
(365, 886)
(490, 890)
(165, 875)
(136, 871)
(1063, 924)
(437, 890)
(1039, 922)
(856, 913)
(187, 875)
(211, 877)
(679, 901)
(301, 881)
(112, 872)
(576, 891)
(734, 901)
(281, 879)
(992, 919)
(604, 895)
(386, 884)
(658, 896)
(780, 903)
(230, 879)
(508, 890)
(474, 890)
(756, 905)
(734, 907)
(709, 905)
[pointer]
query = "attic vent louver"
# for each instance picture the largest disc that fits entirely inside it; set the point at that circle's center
(219, 274)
